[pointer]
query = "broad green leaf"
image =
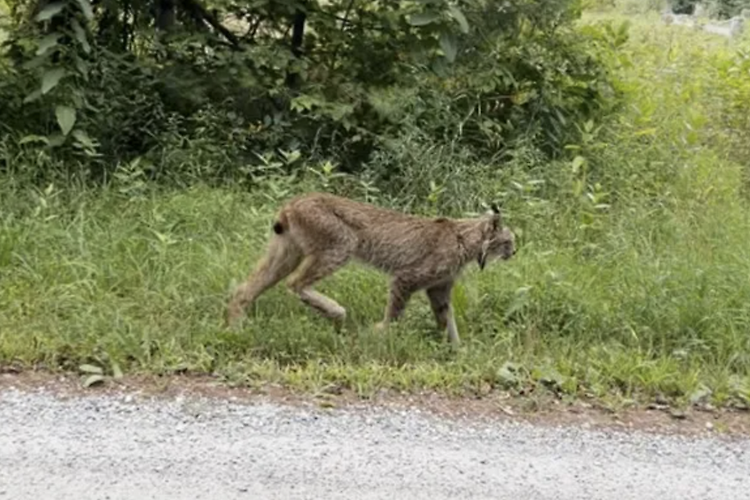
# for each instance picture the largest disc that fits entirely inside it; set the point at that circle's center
(448, 44)
(33, 138)
(77, 99)
(51, 78)
(86, 9)
(86, 368)
(66, 118)
(50, 11)
(440, 67)
(33, 96)
(56, 140)
(82, 67)
(304, 102)
(36, 62)
(81, 35)
(92, 380)
(578, 162)
(47, 43)
(83, 138)
(459, 17)
(423, 18)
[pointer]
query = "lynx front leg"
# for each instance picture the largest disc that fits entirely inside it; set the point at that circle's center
(280, 260)
(440, 301)
(313, 269)
(398, 297)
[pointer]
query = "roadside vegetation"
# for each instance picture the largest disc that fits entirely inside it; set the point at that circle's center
(144, 147)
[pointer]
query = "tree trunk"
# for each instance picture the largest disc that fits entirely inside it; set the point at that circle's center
(298, 33)
(201, 14)
(112, 29)
(165, 15)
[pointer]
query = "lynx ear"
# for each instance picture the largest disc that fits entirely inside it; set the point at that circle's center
(495, 216)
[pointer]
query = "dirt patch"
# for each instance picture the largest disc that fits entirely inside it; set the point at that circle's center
(545, 410)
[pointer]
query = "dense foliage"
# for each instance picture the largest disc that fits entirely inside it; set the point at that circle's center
(724, 9)
(215, 89)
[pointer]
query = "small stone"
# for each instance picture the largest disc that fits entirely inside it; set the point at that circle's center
(678, 414)
(661, 400)
(507, 410)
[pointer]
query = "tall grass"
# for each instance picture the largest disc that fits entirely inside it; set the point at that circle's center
(633, 275)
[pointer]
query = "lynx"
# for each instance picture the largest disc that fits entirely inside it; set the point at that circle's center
(316, 234)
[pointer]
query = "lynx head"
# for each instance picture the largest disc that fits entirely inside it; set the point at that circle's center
(497, 241)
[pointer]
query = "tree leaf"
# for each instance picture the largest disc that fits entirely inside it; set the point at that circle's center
(35, 62)
(47, 43)
(83, 138)
(56, 140)
(459, 17)
(92, 380)
(81, 35)
(51, 78)
(424, 18)
(578, 162)
(440, 67)
(86, 368)
(448, 44)
(66, 118)
(82, 67)
(33, 138)
(50, 11)
(33, 96)
(86, 9)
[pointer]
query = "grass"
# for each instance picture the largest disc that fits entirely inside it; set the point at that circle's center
(632, 282)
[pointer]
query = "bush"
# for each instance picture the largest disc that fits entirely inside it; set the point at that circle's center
(725, 9)
(684, 6)
(480, 76)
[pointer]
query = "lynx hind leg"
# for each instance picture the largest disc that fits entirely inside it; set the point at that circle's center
(398, 296)
(440, 301)
(313, 269)
(282, 257)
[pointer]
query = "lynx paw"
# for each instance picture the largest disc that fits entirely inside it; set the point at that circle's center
(381, 326)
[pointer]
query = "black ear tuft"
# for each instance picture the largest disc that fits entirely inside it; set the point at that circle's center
(496, 216)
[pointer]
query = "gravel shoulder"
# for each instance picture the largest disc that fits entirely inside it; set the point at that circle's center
(124, 446)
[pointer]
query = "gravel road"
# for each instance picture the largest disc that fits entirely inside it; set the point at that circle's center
(117, 447)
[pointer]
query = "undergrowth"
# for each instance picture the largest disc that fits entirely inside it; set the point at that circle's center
(632, 278)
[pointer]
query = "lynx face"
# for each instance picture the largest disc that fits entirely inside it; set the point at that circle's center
(500, 245)
(499, 242)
